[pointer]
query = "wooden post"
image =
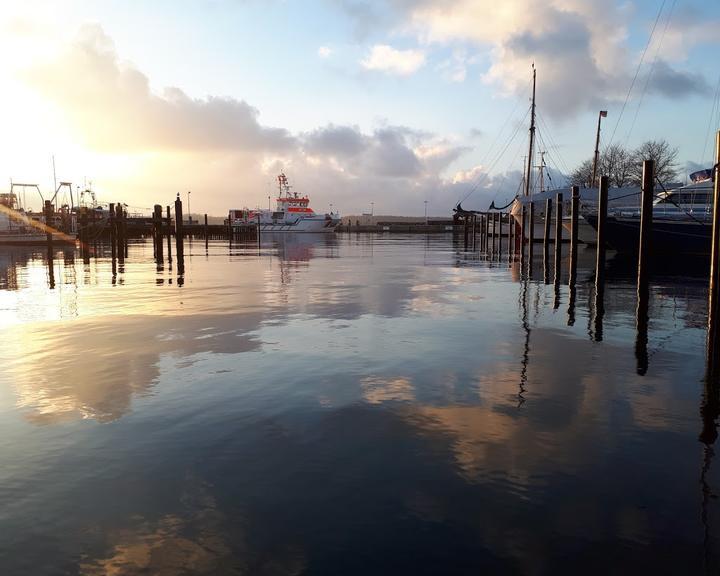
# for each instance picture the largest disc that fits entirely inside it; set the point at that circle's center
(113, 231)
(258, 232)
(531, 236)
(157, 229)
(48, 210)
(466, 230)
(206, 233)
(646, 220)
(179, 248)
(558, 234)
(487, 231)
(574, 214)
(713, 342)
(601, 218)
(500, 234)
(523, 229)
(168, 223)
(119, 232)
(546, 236)
(511, 236)
(494, 231)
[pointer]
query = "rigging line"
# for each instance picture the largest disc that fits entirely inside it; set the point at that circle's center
(486, 174)
(550, 157)
(497, 138)
(513, 160)
(637, 71)
(711, 124)
(560, 159)
(650, 73)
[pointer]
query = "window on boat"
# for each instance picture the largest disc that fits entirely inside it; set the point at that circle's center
(278, 215)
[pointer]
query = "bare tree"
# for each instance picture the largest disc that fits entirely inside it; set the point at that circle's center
(615, 162)
(665, 157)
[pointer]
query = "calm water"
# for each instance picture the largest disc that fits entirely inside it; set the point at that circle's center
(349, 405)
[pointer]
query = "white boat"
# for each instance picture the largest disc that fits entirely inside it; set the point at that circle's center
(19, 228)
(293, 214)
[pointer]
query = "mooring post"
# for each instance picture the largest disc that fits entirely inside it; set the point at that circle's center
(258, 233)
(48, 213)
(206, 233)
(511, 236)
(487, 231)
(574, 214)
(646, 220)
(179, 248)
(494, 232)
(157, 223)
(713, 342)
(531, 236)
(500, 234)
(113, 231)
(119, 233)
(169, 233)
(601, 218)
(558, 235)
(523, 230)
(546, 239)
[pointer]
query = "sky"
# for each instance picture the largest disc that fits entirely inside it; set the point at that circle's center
(401, 104)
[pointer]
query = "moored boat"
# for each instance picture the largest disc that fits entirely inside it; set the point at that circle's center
(292, 214)
(20, 228)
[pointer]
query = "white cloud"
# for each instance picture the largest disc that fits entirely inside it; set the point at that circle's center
(324, 51)
(387, 59)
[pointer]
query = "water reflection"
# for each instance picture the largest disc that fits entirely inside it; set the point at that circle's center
(384, 399)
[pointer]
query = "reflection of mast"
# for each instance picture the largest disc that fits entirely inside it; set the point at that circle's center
(526, 344)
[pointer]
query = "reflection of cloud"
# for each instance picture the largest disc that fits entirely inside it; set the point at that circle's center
(190, 542)
(377, 390)
(91, 369)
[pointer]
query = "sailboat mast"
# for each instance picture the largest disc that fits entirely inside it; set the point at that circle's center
(532, 139)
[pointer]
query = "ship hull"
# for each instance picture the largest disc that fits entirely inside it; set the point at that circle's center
(33, 239)
(304, 225)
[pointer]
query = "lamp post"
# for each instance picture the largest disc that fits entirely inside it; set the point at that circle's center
(331, 208)
(426, 220)
(372, 208)
(189, 213)
(596, 157)
(268, 202)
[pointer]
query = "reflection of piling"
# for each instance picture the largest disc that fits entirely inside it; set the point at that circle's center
(558, 234)
(51, 264)
(574, 214)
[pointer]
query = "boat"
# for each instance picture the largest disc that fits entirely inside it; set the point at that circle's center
(682, 221)
(292, 214)
(21, 228)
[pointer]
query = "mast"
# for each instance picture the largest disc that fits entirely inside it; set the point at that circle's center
(542, 169)
(532, 138)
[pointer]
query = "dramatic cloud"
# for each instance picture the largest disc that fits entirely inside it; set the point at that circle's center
(112, 105)
(579, 47)
(387, 59)
(218, 148)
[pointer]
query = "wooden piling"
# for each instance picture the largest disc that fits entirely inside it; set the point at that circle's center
(157, 232)
(120, 246)
(523, 229)
(601, 218)
(646, 220)
(113, 231)
(511, 236)
(168, 228)
(494, 232)
(500, 234)
(574, 215)
(531, 236)
(179, 248)
(713, 341)
(487, 231)
(206, 233)
(48, 212)
(546, 235)
(558, 235)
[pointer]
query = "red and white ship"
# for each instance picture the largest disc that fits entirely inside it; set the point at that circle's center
(293, 214)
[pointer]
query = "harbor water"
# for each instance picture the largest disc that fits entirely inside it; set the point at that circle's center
(350, 404)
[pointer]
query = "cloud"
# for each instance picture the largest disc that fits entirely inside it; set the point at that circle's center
(111, 104)
(674, 83)
(325, 51)
(387, 59)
